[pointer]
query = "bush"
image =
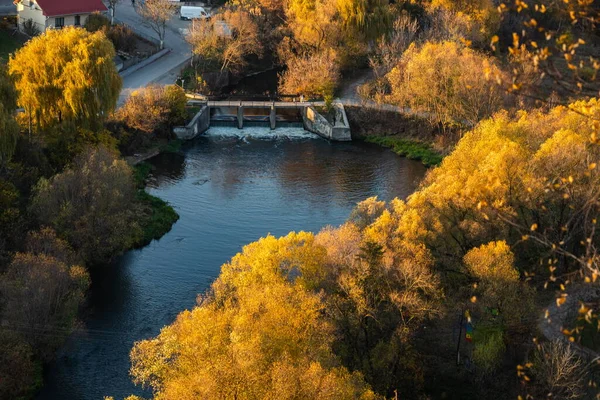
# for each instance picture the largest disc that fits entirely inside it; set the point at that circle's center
(96, 22)
(121, 37)
(154, 110)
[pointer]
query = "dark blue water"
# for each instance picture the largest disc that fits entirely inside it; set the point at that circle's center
(229, 190)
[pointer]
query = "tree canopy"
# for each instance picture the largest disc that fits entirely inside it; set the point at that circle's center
(66, 75)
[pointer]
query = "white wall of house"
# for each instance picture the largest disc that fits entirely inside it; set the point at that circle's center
(68, 20)
(28, 9)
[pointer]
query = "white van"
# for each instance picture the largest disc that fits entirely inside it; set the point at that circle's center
(190, 12)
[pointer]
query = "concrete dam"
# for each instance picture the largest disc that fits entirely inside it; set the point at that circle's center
(268, 113)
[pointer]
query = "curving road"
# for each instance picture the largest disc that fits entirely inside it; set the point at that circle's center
(164, 70)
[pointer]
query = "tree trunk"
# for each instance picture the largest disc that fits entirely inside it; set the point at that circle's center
(112, 15)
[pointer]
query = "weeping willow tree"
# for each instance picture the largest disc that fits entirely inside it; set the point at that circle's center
(66, 75)
(369, 18)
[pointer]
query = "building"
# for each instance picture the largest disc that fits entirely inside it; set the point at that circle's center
(55, 14)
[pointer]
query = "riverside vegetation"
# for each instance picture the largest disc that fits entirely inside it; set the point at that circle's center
(505, 224)
(68, 201)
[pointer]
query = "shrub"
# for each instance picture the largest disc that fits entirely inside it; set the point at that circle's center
(96, 22)
(121, 37)
(154, 109)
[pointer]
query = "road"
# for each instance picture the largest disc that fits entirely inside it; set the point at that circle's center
(164, 70)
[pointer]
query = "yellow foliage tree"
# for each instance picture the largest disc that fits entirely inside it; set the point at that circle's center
(450, 83)
(66, 75)
(259, 335)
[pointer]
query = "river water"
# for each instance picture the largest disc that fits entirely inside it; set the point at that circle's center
(230, 187)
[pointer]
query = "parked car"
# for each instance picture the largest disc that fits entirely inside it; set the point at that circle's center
(190, 12)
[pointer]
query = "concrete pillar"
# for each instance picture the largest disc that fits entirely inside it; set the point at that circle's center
(273, 117)
(240, 116)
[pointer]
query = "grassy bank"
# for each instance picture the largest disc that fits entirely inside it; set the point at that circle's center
(158, 216)
(408, 148)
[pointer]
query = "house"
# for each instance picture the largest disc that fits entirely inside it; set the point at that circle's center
(55, 14)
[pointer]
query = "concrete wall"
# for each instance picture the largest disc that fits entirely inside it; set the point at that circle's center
(198, 125)
(316, 123)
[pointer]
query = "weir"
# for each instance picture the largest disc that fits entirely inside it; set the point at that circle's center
(267, 113)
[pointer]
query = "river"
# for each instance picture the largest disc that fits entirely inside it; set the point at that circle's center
(230, 188)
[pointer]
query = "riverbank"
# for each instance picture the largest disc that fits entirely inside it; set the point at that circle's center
(408, 136)
(158, 216)
(412, 149)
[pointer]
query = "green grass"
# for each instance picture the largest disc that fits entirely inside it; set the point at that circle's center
(8, 44)
(140, 173)
(158, 219)
(157, 215)
(409, 148)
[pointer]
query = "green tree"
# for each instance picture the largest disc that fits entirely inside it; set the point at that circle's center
(66, 75)
(41, 297)
(91, 205)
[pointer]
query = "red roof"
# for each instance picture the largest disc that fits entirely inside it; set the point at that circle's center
(52, 8)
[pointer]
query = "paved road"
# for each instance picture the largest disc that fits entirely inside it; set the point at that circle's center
(164, 70)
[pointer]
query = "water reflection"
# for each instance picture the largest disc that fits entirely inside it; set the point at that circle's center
(229, 188)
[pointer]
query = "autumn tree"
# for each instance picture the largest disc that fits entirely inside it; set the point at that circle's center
(258, 334)
(156, 14)
(91, 205)
(19, 371)
(452, 84)
(315, 75)
(227, 39)
(66, 75)
(154, 109)
(368, 19)
(379, 289)
(42, 295)
(500, 290)
(314, 23)
(553, 39)
(467, 21)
